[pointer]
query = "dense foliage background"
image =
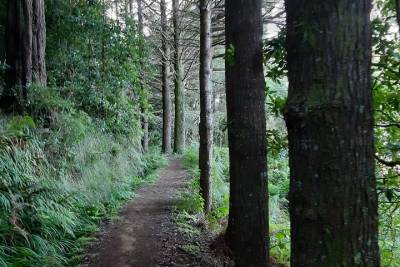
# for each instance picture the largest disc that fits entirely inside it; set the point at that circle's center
(77, 155)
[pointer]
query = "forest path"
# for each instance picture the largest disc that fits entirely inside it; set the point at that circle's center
(138, 238)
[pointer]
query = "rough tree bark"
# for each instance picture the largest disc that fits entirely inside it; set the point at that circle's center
(39, 74)
(333, 200)
(205, 127)
(144, 119)
(247, 233)
(179, 133)
(166, 95)
(25, 52)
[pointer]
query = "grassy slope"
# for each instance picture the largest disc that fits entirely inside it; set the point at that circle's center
(58, 183)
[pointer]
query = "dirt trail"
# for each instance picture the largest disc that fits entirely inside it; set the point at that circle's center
(137, 238)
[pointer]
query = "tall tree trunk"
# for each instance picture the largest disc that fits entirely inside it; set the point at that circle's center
(140, 16)
(25, 52)
(333, 200)
(179, 134)
(131, 7)
(166, 145)
(205, 128)
(144, 119)
(247, 232)
(116, 2)
(39, 74)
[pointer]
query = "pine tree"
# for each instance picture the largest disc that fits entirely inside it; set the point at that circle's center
(179, 134)
(166, 96)
(333, 200)
(245, 92)
(205, 128)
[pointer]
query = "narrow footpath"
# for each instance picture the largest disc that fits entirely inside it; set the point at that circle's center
(144, 232)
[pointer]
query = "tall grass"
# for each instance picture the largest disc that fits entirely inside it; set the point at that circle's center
(54, 189)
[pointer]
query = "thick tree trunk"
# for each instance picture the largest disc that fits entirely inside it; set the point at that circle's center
(19, 44)
(247, 232)
(205, 128)
(333, 200)
(144, 119)
(179, 134)
(25, 51)
(166, 145)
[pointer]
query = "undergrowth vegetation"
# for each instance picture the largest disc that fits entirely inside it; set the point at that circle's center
(190, 206)
(74, 156)
(53, 197)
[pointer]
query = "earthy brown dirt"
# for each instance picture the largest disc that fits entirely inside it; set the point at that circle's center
(144, 228)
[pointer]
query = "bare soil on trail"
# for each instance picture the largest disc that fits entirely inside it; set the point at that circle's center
(145, 233)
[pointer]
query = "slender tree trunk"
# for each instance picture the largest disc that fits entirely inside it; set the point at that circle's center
(166, 145)
(145, 128)
(205, 128)
(333, 200)
(179, 134)
(116, 10)
(247, 233)
(39, 74)
(144, 119)
(140, 16)
(131, 7)
(25, 52)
